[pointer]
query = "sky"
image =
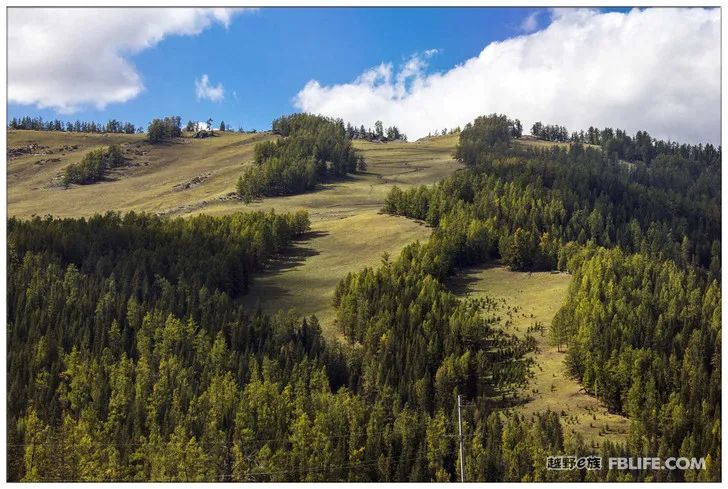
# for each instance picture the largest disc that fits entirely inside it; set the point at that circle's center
(422, 69)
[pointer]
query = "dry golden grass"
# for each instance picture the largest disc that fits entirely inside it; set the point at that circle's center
(349, 233)
(148, 184)
(388, 164)
(152, 181)
(537, 296)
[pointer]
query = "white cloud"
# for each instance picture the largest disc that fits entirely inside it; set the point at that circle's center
(530, 23)
(69, 58)
(206, 91)
(654, 69)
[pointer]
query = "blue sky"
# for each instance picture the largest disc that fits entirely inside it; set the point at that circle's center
(264, 59)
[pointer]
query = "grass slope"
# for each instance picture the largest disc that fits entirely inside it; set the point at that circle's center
(389, 164)
(535, 297)
(197, 175)
(153, 181)
(348, 232)
(304, 279)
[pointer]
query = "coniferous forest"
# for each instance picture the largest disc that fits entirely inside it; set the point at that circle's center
(93, 166)
(132, 356)
(310, 150)
(642, 239)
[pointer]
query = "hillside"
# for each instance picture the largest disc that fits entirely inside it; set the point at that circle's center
(348, 232)
(189, 175)
(154, 179)
(530, 299)
(399, 325)
(195, 176)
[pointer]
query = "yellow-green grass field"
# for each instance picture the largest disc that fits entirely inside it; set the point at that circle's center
(388, 164)
(197, 175)
(531, 298)
(348, 230)
(151, 182)
(304, 279)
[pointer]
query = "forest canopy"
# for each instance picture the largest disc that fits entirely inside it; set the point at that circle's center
(38, 124)
(166, 129)
(131, 357)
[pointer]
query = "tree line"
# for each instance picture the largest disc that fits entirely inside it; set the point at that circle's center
(549, 132)
(379, 133)
(617, 144)
(486, 135)
(538, 198)
(38, 124)
(643, 147)
(644, 336)
(112, 303)
(166, 129)
(311, 149)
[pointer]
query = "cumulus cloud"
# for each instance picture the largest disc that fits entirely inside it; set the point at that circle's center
(654, 69)
(69, 58)
(206, 91)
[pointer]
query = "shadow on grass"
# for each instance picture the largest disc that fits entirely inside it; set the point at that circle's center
(461, 283)
(328, 183)
(293, 255)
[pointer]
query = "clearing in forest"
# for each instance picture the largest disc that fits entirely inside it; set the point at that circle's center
(348, 230)
(304, 278)
(530, 299)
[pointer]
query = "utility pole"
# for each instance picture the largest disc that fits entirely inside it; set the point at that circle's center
(462, 444)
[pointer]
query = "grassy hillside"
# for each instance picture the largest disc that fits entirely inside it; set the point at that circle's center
(305, 279)
(534, 298)
(197, 175)
(348, 233)
(153, 181)
(389, 164)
